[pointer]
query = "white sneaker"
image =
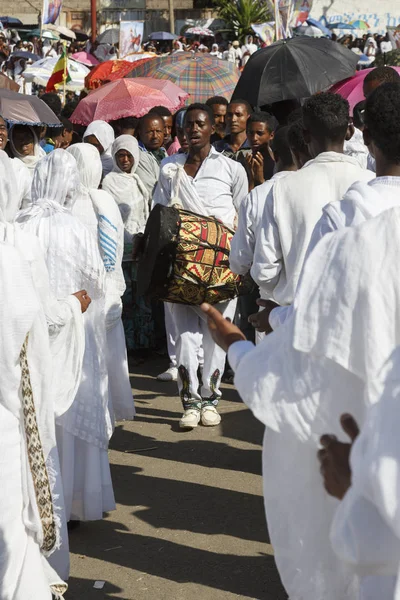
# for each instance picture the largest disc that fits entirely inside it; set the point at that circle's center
(190, 418)
(170, 374)
(209, 416)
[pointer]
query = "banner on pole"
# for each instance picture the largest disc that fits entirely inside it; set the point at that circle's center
(301, 12)
(265, 31)
(130, 37)
(51, 11)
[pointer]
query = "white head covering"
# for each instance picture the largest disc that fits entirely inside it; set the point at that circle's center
(38, 153)
(9, 195)
(105, 135)
(72, 254)
(127, 189)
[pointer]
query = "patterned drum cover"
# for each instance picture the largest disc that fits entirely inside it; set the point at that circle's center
(198, 252)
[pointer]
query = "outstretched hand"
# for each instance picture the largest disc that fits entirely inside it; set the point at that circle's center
(335, 459)
(224, 332)
(260, 320)
(84, 299)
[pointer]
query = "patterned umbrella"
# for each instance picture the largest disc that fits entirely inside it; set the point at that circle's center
(128, 98)
(201, 31)
(360, 25)
(200, 75)
(105, 72)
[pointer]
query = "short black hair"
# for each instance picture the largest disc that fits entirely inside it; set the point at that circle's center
(65, 124)
(69, 108)
(280, 146)
(358, 114)
(203, 107)
(128, 122)
(264, 117)
(383, 75)
(295, 115)
(217, 100)
(326, 116)
(243, 102)
(382, 118)
(53, 101)
(150, 115)
(162, 111)
(296, 138)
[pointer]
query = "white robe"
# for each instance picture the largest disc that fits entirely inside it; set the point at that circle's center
(303, 376)
(292, 209)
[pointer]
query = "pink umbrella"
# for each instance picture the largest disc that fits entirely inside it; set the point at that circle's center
(128, 98)
(352, 88)
(85, 58)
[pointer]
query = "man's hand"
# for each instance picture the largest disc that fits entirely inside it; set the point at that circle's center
(260, 320)
(335, 459)
(84, 299)
(224, 332)
(258, 168)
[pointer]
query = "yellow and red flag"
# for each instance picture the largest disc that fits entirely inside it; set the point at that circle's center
(59, 75)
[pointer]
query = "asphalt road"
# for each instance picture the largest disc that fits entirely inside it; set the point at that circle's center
(190, 521)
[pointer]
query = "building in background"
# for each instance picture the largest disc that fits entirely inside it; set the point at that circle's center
(379, 14)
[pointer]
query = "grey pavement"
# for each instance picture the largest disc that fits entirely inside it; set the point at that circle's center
(190, 522)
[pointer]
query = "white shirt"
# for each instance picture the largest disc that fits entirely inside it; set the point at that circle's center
(292, 209)
(220, 185)
(249, 220)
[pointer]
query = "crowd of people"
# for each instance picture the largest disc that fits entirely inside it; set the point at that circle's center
(312, 196)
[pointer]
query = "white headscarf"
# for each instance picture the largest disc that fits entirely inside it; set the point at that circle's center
(105, 135)
(29, 161)
(9, 196)
(71, 251)
(127, 189)
(100, 203)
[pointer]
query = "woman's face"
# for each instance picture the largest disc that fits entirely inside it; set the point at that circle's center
(3, 134)
(125, 160)
(24, 141)
(92, 139)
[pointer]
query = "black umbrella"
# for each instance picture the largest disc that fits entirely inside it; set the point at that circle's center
(110, 36)
(295, 68)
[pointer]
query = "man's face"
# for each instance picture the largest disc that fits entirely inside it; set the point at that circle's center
(125, 161)
(24, 142)
(258, 135)
(198, 129)
(236, 118)
(64, 139)
(152, 133)
(3, 134)
(167, 129)
(219, 111)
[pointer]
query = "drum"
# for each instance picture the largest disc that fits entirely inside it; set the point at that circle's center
(184, 259)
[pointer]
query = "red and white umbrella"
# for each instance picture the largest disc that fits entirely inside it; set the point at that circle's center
(201, 31)
(128, 98)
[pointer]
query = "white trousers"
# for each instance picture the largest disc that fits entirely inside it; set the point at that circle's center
(171, 333)
(193, 338)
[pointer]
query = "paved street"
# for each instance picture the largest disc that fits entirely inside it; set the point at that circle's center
(189, 523)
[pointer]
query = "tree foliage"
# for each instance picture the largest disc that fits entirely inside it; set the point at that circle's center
(239, 15)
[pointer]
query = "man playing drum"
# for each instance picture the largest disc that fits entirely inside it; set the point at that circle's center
(210, 184)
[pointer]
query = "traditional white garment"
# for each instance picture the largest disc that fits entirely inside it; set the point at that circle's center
(293, 207)
(355, 147)
(247, 50)
(105, 135)
(107, 227)
(74, 263)
(361, 202)
(303, 376)
(127, 189)
(55, 353)
(148, 171)
(218, 189)
(30, 162)
(249, 221)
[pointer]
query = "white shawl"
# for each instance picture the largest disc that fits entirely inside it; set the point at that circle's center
(105, 135)
(127, 189)
(303, 376)
(29, 161)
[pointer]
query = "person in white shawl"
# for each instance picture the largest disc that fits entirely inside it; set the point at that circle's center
(53, 353)
(101, 135)
(25, 146)
(295, 203)
(126, 187)
(74, 262)
(98, 211)
(22, 176)
(303, 376)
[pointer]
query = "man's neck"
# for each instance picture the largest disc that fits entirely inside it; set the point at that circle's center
(329, 146)
(280, 167)
(199, 155)
(236, 140)
(387, 169)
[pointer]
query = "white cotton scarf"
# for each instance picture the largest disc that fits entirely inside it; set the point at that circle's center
(29, 161)
(105, 135)
(127, 189)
